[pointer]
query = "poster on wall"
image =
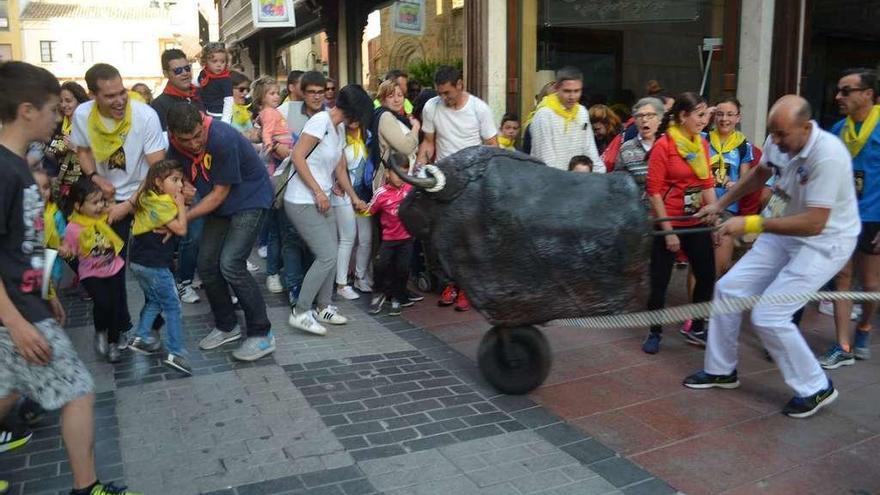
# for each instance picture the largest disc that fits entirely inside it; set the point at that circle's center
(272, 13)
(409, 17)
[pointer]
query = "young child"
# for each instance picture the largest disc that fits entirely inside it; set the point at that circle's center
(580, 163)
(54, 224)
(215, 85)
(276, 136)
(97, 247)
(160, 205)
(241, 105)
(395, 252)
(509, 131)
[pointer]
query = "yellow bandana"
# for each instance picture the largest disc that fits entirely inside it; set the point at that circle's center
(241, 116)
(134, 95)
(855, 141)
(96, 234)
(506, 142)
(357, 144)
(154, 210)
(105, 142)
(691, 150)
(51, 237)
(553, 103)
(66, 126)
(732, 142)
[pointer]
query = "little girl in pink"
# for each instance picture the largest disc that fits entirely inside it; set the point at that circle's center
(273, 126)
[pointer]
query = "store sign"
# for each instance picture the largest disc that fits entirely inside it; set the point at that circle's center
(409, 17)
(272, 13)
(577, 13)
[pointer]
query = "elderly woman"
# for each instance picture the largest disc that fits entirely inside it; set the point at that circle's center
(633, 156)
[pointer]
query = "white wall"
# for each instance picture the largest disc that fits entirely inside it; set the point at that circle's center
(495, 56)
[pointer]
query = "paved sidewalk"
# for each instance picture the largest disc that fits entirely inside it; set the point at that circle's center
(377, 406)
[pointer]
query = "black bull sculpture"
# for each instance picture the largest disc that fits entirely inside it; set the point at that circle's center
(529, 244)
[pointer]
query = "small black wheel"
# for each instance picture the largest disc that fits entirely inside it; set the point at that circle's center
(514, 360)
(423, 282)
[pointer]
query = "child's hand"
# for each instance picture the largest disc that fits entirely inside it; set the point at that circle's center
(360, 205)
(338, 190)
(65, 251)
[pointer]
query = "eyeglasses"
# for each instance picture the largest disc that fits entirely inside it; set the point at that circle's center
(846, 90)
(315, 92)
(729, 115)
(645, 116)
(180, 70)
(244, 89)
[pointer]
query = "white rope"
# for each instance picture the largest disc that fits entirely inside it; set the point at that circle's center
(705, 310)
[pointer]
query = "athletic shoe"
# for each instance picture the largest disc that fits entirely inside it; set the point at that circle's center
(111, 489)
(252, 267)
(144, 346)
(187, 294)
(13, 439)
(306, 322)
(293, 296)
(101, 344)
(862, 349)
(254, 348)
(217, 338)
(331, 315)
(407, 303)
(686, 327)
(30, 412)
(835, 357)
(273, 283)
(122, 344)
(346, 292)
(701, 380)
(395, 308)
(804, 407)
(376, 304)
(4, 486)
(651, 345)
(363, 286)
(414, 296)
(114, 355)
(263, 251)
(179, 363)
(461, 302)
(696, 338)
(196, 282)
(447, 298)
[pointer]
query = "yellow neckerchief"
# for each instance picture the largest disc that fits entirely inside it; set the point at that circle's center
(733, 141)
(241, 115)
(134, 95)
(531, 115)
(357, 144)
(856, 141)
(51, 237)
(691, 150)
(506, 142)
(96, 233)
(154, 210)
(66, 126)
(553, 103)
(104, 142)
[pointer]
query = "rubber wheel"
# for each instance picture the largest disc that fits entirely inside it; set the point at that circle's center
(515, 363)
(423, 282)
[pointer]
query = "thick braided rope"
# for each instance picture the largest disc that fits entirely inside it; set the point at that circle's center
(705, 310)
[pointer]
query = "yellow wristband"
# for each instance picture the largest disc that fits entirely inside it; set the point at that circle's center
(754, 224)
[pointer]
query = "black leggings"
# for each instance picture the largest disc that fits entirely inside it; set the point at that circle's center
(109, 304)
(701, 255)
(392, 268)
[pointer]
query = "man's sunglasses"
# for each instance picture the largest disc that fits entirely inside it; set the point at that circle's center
(846, 90)
(180, 70)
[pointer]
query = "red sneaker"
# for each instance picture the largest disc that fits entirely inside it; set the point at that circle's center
(447, 298)
(461, 302)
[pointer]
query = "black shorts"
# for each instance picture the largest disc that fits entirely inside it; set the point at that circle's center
(866, 238)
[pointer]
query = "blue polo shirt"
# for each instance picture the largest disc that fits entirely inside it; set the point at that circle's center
(866, 173)
(234, 162)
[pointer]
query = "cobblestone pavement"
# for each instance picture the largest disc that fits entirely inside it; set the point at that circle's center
(378, 406)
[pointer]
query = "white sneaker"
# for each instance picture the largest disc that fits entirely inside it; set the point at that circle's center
(363, 286)
(187, 294)
(196, 282)
(346, 292)
(331, 315)
(306, 322)
(252, 267)
(273, 283)
(263, 251)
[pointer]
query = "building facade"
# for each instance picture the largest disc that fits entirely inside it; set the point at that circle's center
(10, 30)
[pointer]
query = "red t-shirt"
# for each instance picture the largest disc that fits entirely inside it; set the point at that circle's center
(670, 176)
(386, 201)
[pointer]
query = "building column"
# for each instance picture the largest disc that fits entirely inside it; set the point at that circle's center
(755, 54)
(528, 86)
(474, 41)
(494, 62)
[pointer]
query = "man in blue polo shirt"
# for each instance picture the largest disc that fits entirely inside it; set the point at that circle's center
(856, 92)
(235, 195)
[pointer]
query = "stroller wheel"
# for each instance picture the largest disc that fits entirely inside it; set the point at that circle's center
(514, 360)
(423, 282)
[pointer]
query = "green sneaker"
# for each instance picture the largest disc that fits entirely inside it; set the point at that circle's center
(111, 489)
(13, 439)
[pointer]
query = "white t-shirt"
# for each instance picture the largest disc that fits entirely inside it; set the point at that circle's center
(820, 176)
(145, 137)
(455, 130)
(323, 160)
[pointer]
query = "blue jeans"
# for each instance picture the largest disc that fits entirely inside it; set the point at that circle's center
(287, 247)
(188, 251)
(226, 244)
(160, 296)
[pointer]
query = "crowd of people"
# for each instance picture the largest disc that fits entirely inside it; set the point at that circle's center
(182, 188)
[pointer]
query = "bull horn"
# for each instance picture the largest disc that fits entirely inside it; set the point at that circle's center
(433, 183)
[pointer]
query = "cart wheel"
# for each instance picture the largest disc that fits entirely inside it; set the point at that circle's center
(423, 282)
(514, 360)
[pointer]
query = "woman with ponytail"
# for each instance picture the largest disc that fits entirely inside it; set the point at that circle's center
(679, 183)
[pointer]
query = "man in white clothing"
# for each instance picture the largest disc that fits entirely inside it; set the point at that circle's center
(810, 228)
(561, 126)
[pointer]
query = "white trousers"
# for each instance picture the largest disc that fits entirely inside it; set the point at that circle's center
(347, 229)
(363, 269)
(776, 265)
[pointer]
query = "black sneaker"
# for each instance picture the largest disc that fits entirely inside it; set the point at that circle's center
(696, 338)
(413, 296)
(407, 303)
(376, 304)
(804, 407)
(701, 379)
(144, 347)
(395, 308)
(177, 362)
(30, 412)
(13, 439)
(651, 345)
